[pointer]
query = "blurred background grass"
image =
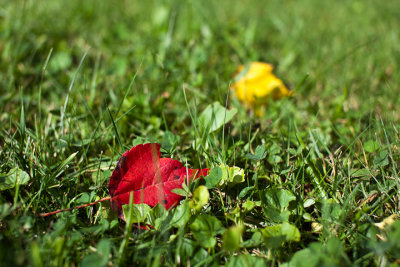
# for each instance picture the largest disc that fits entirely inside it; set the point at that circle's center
(348, 48)
(346, 51)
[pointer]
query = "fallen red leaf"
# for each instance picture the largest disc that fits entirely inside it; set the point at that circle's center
(141, 170)
(150, 178)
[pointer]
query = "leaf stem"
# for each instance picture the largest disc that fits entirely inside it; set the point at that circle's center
(78, 207)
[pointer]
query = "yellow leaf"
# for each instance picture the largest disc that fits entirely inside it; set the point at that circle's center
(256, 84)
(387, 221)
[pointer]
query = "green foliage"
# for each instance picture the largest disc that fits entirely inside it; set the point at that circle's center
(329, 254)
(181, 215)
(100, 256)
(214, 177)
(275, 235)
(259, 154)
(139, 214)
(169, 141)
(205, 228)
(214, 116)
(231, 175)
(308, 183)
(200, 198)
(233, 237)
(14, 177)
(246, 260)
(276, 204)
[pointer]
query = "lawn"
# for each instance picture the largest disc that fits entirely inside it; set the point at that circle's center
(81, 82)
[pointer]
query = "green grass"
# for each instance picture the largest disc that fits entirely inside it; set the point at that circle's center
(82, 81)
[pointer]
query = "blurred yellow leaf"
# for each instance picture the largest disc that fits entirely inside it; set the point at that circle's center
(387, 221)
(255, 84)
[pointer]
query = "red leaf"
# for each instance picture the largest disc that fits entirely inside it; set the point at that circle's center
(150, 178)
